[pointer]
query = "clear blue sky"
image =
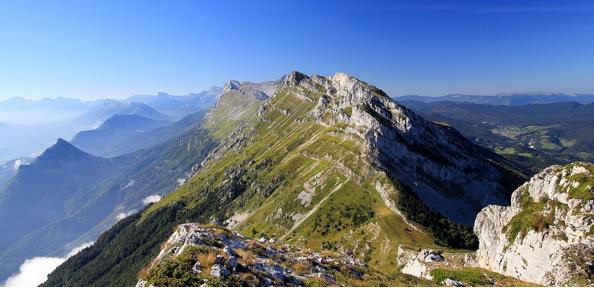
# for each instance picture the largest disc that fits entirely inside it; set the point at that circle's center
(94, 49)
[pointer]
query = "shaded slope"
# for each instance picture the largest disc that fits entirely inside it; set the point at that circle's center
(147, 139)
(131, 133)
(40, 192)
(116, 129)
(132, 177)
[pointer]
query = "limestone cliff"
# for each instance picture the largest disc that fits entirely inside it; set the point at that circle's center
(446, 171)
(546, 236)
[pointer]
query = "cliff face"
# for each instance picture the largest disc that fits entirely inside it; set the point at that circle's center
(546, 236)
(445, 170)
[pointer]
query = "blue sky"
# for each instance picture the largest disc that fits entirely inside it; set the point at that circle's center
(96, 49)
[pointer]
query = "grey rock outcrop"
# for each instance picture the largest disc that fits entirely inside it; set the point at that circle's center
(450, 174)
(235, 260)
(546, 235)
(421, 263)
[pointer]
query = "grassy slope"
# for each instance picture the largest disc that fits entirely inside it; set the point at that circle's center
(477, 277)
(346, 211)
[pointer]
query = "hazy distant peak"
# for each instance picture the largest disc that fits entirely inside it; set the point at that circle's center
(60, 151)
(513, 98)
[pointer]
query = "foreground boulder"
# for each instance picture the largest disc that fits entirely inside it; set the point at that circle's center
(546, 236)
(456, 268)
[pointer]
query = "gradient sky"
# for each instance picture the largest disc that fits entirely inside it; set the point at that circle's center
(97, 49)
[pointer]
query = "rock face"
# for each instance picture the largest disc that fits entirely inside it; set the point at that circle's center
(421, 263)
(450, 269)
(451, 175)
(546, 236)
(211, 255)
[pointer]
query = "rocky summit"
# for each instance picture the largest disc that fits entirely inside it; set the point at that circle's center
(546, 236)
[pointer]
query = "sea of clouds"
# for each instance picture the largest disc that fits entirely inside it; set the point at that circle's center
(34, 271)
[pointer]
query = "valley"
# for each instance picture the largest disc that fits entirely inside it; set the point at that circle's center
(535, 135)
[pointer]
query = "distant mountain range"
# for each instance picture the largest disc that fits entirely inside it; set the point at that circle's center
(32, 125)
(40, 193)
(123, 134)
(509, 99)
(109, 108)
(30, 139)
(179, 106)
(67, 197)
(114, 130)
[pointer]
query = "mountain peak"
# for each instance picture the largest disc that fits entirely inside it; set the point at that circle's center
(341, 76)
(293, 78)
(231, 85)
(62, 145)
(62, 150)
(61, 141)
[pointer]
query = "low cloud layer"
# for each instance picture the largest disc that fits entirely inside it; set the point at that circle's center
(34, 271)
(151, 199)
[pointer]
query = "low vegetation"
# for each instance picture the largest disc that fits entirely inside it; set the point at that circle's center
(219, 257)
(585, 188)
(446, 232)
(475, 277)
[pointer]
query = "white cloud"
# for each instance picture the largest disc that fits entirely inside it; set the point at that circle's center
(151, 199)
(34, 271)
(130, 184)
(123, 215)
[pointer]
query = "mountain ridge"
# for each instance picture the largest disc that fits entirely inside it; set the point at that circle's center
(303, 159)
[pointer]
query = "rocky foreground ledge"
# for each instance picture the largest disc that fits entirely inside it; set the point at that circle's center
(209, 255)
(458, 269)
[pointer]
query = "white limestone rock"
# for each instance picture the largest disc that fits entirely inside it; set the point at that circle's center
(557, 247)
